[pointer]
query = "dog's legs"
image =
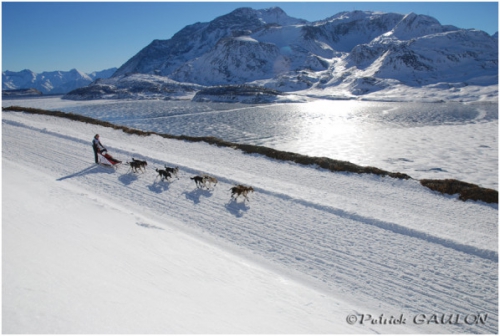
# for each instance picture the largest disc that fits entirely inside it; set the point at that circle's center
(237, 195)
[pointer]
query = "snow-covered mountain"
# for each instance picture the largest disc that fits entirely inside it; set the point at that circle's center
(134, 86)
(53, 82)
(359, 52)
(164, 57)
(348, 55)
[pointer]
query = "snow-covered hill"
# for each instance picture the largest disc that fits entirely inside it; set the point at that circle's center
(135, 86)
(21, 92)
(349, 55)
(88, 249)
(51, 82)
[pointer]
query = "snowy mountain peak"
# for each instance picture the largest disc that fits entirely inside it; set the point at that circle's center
(241, 18)
(344, 17)
(413, 25)
(357, 53)
(278, 16)
(51, 82)
(76, 74)
(253, 19)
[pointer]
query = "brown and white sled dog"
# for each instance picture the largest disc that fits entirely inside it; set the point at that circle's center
(209, 179)
(241, 190)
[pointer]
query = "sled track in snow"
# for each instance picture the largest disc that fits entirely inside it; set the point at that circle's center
(344, 251)
(393, 227)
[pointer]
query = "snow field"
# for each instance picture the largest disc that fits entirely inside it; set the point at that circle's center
(381, 244)
(75, 263)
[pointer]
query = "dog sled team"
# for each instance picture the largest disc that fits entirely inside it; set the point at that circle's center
(100, 153)
(201, 181)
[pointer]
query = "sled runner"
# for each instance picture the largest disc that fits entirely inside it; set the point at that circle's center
(107, 160)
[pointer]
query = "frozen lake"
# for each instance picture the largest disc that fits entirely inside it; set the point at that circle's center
(423, 140)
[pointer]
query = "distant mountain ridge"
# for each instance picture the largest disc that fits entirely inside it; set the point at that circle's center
(348, 55)
(51, 82)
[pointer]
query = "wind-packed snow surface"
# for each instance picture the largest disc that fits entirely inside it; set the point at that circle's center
(90, 249)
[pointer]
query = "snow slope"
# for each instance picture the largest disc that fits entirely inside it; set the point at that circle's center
(76, 263)
(90, 249)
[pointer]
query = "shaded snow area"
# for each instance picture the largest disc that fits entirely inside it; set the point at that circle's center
(90, 249)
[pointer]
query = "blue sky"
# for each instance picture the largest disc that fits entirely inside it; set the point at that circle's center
(93, 36)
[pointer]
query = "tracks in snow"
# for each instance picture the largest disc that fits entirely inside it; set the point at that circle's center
(290, 223)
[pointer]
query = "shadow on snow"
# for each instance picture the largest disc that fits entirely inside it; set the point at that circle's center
(236, 208)
(93, 169)
(195, 195)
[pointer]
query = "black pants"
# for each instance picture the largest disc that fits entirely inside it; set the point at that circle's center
(95, 156)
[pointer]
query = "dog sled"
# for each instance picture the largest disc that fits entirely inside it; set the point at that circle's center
(103, 158)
